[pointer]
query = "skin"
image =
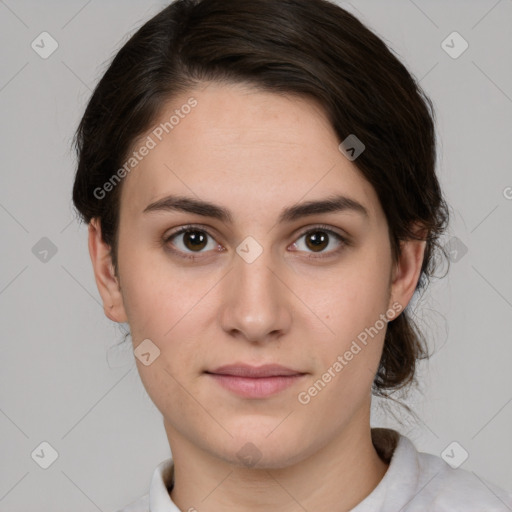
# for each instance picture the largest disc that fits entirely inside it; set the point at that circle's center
(254, 153)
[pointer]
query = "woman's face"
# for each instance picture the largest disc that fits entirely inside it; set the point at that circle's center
(259, 289)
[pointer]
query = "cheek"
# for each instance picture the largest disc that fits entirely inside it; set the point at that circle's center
(352, 303)
(347, 358)
(163, 306)
(352, 296)
(155, 296)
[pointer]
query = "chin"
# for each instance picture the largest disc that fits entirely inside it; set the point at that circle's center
(262, 451)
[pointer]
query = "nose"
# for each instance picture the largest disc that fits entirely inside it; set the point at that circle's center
(256, 302)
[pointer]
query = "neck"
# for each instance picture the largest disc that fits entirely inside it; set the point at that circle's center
(337, 476)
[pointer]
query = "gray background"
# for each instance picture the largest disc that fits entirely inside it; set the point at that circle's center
(62, 379)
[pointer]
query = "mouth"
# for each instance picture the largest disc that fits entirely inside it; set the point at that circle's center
(245, 370)
(255, 382)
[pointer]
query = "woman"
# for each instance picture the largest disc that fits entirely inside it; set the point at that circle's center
(259, 183)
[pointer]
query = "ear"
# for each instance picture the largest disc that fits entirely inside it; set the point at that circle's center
(106, 281)
(407, 269)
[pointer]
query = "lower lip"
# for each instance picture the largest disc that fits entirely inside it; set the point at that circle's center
(251, 387)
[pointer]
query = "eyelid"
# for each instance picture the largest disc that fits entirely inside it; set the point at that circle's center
(207, 229)
(190, 227)
(325, 227)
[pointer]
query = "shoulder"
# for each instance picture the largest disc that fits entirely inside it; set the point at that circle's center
(416, 482)
(440, 487)
(451, 488)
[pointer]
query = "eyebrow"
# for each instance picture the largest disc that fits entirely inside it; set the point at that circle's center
(332, 204)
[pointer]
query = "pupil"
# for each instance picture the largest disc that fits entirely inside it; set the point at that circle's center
(194, 239)
(317, 241)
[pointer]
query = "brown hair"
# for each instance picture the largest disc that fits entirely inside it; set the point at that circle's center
(306, 47)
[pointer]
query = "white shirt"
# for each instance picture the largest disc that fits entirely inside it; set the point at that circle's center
(414, 482)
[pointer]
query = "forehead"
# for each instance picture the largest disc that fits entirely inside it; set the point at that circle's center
(241, 145)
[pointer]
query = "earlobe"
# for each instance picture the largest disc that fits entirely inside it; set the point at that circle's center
(106, 280)
(407, 271)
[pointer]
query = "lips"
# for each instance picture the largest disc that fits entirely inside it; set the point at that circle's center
(256, 372)
(255, 382)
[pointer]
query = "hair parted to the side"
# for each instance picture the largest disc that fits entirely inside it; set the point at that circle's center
(306, 47)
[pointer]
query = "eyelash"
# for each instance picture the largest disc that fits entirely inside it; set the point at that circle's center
(343, 240)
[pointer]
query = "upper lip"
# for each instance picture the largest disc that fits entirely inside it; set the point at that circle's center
(244, 370)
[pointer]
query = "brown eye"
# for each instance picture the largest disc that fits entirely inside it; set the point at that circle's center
(194, 240)
(189, 240)
(317, 240)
